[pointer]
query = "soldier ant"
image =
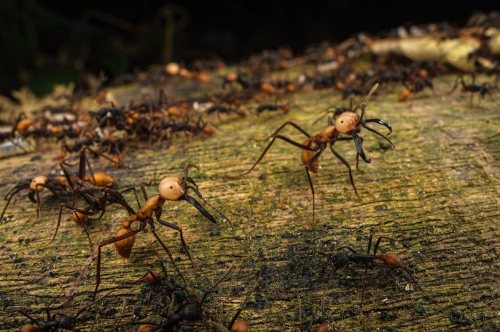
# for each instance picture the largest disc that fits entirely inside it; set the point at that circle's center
(346, 123)
(169, 189)
(36, 185)
(369, 260)
(482, 89)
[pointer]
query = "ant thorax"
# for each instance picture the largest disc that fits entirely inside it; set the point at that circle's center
(327, 133)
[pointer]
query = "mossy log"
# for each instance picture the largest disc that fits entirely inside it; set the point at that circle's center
(437, 193)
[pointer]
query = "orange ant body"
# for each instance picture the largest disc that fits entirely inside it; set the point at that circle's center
(169, 189)
(348, 122)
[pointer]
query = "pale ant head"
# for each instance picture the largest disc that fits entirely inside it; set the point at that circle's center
(172, 188)
(346, 122)
(38, 183)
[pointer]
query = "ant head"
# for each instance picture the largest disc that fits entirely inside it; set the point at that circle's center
(346, 122)
(38, 183)
(391, 259)
(172, 188)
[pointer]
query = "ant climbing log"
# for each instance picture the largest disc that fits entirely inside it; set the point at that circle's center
(436, 194)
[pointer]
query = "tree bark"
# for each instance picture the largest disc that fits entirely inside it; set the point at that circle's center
(437, 194)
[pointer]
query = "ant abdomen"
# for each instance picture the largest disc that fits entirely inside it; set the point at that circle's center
(124, 247)
(391, 259)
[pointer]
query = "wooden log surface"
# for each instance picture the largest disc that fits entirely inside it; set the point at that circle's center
(437, 193)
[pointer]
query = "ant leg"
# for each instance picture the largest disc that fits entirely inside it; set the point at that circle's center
(113, 196)
(135, 194)
(165, 248)
(370, 243)
(113, 162)
(378, 243)
(293, 124)
(10, 194)
(339, 157)
(348, 248)
(82, 164)
(144, 192)
(24, 313)
(286, 139)
(404, 268)
(175, 227)
(312, 192)
(357, 161)
(309, 163)
(72, 209)
(106, 242)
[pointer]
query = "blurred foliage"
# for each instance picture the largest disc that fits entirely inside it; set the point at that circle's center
(42, 47)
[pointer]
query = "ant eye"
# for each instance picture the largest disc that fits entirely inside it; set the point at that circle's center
(342, 121)
(171, 187)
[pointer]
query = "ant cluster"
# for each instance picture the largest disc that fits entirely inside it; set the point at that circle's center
(253, 88)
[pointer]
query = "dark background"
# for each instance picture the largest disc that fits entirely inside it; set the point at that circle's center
(47, 42)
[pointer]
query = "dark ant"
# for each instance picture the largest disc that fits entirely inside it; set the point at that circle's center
(482, 89)
(191, 309)
(220, 109)
(369, 260)
(95, 189)
(285, 108)
(56, 321)
(349, 89)
(110, 116)
(415, 87)
(232, 78)
(345, 123)
(169, 189)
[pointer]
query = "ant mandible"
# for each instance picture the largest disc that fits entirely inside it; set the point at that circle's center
(347, 122)
(169, 189)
